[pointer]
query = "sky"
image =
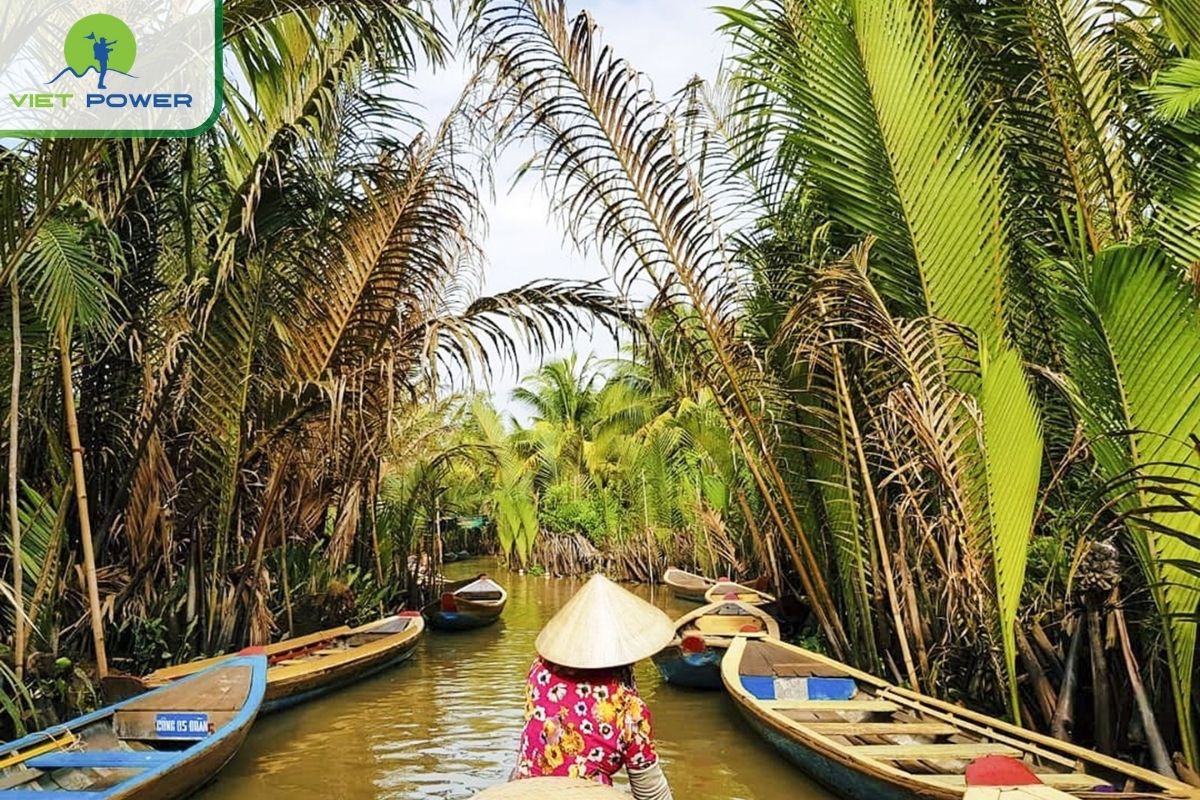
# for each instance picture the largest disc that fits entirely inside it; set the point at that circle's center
(669, 41)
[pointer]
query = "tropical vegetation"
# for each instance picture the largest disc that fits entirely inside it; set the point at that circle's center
(918, 288)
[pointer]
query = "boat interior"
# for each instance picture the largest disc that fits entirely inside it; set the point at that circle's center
(344, 642)
(481, 590)
(727, 590)
(726, 619)
(119, 744)
(894, 728)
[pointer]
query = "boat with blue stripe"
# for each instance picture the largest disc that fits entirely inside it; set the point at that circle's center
(161, 745)
(867, 739)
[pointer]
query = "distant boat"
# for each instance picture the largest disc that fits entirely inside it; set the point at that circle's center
(449, 557)
(310, 666)
(687, 585)
(693, 658)
(465, 605)
(867, 739)
(158, 746)
(728, 590)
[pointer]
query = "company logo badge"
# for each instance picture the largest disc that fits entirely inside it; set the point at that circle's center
(108, 47)
(110, 68)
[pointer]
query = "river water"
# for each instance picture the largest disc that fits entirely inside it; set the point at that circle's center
(445, 723)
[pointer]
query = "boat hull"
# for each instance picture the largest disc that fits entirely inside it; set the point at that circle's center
(464, 619)
(692, 670)
(284, 698)
(844, 781)
(689, 595)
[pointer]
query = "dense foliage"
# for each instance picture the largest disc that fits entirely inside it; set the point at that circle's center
(936, 264)
(922, 336)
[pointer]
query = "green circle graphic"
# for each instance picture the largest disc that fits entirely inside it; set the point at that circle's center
(100, 30)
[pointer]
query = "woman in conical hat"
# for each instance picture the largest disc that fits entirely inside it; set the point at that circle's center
(584, 717)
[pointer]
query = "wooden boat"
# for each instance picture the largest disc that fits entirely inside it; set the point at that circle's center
(158, 746)
(551, 789)
(728, 590)
(693, 658)
(867, 739)
(310, 666)
(465, 605)
(687, 585)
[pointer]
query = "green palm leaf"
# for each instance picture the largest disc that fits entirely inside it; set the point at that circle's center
(1133, 340)
(1012, 439)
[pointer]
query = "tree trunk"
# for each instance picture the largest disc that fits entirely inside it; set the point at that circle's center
(1102, 699)
(81, 502)
(1063, 724)
(14, 516)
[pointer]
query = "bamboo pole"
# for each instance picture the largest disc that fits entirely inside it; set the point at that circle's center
(14, 516)
(1063, 723)
(1154, 740)
(81, 502)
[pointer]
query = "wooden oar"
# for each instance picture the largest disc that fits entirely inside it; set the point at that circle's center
(49, 746)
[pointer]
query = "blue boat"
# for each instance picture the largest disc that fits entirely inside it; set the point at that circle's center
(867, 739)
(693, 658)
(161, 745)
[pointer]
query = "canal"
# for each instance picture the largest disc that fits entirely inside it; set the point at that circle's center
(445, 724)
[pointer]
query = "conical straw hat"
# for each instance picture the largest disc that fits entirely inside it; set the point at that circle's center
(556, 788)
(604, 626)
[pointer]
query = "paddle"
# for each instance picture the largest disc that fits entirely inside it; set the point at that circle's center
(66, 740)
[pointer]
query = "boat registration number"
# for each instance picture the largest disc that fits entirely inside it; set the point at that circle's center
(182, 726)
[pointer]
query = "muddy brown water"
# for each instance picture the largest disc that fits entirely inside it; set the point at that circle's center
(445, 724)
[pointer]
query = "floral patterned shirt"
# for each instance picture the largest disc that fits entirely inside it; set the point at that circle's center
(583, 724)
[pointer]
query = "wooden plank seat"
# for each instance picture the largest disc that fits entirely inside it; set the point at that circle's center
(1071, 781)
(830, 705)
(921, 752)
(727, 624)
(101, 759)
(893, 728)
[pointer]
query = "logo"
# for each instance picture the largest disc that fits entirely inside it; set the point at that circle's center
(110, 67)
(98, 43)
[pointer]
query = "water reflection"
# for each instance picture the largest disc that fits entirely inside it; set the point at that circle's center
(445, 725)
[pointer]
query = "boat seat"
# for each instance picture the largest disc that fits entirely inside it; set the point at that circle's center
(933, 752)
(1073, 781)
(895, 728)
(830, 705)
(761, 687)
(52, 794)
(727, 624)
(480, 596)
(101, 759)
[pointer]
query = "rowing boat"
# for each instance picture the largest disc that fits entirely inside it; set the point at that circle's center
(466, 605)
(687, 585)
(158, 746)
(728, 590)
(310, 666)
(867, 739)
(551, 789)
(693, 658)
